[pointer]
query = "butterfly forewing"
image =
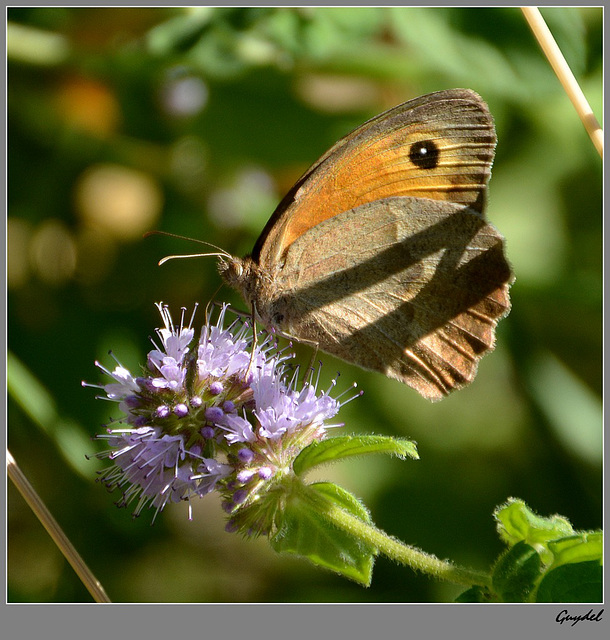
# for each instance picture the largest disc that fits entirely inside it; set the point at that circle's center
(439, 146)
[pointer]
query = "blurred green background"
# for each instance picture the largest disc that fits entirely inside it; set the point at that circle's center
(196, 121)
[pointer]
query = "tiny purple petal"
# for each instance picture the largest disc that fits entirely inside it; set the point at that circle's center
(210, 472)
(181, 410)
(132, 402)
(162, 411)
(207, 432)
(146, 384)
(125, 384)
(196, 402)
(175, 340)
(240, 496)
(238, 429)
(245, 455)
(229, 406)
(214, 414)
(264, 473)
(216, 388)
(173, 373)
(245, 475)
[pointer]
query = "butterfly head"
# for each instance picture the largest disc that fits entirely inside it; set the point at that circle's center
(238, 273)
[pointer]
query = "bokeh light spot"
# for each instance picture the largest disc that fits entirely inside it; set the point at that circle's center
(53, 252)
(122, 201)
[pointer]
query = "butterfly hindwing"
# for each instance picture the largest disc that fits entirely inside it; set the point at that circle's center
(406, 286)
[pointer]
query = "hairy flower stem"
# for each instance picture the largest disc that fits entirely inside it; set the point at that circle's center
(398, 551)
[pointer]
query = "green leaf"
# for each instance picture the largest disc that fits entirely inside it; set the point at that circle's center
(516, 522)
(581, 582)
(38, 404)
(343, 498)
(179, 34)
(516, 572)
(583, 547)
(571, 561)
(476, 594)
(304, 531)
(339, 447)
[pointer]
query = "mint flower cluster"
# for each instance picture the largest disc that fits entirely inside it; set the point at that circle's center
(213, 413)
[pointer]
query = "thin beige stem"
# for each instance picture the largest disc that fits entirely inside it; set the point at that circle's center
(54, 530)
(565, 75)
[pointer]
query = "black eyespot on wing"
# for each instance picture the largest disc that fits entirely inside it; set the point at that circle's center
(424, 154)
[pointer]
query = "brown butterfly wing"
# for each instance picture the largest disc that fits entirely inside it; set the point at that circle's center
(380, 253)
(439, 146)
(407, 286)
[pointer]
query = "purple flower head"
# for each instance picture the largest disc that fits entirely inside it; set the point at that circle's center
(169, 362)
(224, 353)
(157, 468)
(210, 415)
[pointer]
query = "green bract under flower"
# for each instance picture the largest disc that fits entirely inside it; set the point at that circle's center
(211, 413)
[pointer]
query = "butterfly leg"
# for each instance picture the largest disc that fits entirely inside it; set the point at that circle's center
(254, 342)
(308, 377)
(211, 302)
(314, 344)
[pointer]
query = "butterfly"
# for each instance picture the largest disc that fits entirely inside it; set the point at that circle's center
(381, 255)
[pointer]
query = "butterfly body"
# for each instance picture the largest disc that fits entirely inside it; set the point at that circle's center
(381, 254)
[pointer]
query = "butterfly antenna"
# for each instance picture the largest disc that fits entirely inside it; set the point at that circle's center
(193, 255)
(221, 252)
